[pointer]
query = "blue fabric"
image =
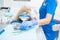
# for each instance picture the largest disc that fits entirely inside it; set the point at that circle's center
(48, 7)
(28, 24)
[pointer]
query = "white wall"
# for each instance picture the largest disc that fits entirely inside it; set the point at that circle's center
(15, 5)
(1, 3)
(57, 14)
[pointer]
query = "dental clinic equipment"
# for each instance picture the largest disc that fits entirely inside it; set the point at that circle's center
(8, 15)
(5, 14)
(1, 27)
(4, 11)
(56, 27)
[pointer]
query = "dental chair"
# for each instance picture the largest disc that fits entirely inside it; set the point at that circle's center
(56, 27)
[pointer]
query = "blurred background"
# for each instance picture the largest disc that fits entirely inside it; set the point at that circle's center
(12, 8)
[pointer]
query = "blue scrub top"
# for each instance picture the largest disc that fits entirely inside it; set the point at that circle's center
(48, 7)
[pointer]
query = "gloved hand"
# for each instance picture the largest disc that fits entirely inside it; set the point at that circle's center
(28, 24)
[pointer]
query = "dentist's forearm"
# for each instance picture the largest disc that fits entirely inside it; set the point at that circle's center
(45, 20)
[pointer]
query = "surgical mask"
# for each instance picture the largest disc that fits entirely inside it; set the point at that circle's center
(24, 17)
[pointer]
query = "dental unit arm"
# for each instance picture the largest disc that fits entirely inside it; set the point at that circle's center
(1, 20)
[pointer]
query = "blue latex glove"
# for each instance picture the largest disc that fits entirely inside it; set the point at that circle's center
(28, 24)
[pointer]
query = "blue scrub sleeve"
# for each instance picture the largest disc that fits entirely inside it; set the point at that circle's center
(51, 7)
